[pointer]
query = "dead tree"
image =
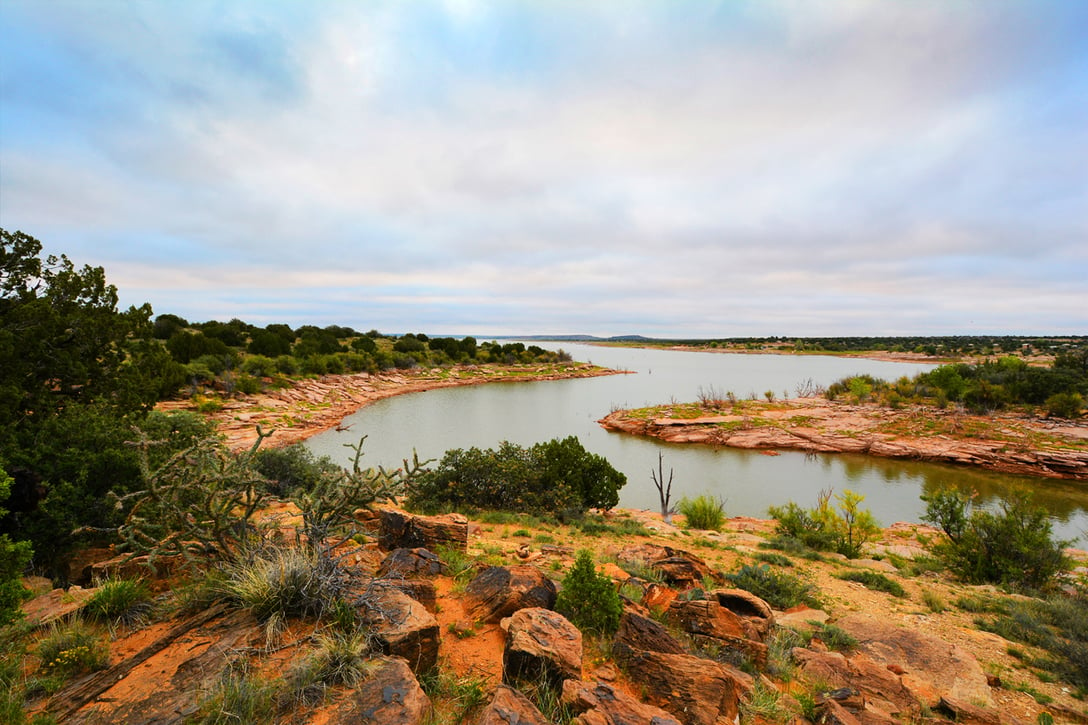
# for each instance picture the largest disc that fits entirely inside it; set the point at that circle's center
(664, 490)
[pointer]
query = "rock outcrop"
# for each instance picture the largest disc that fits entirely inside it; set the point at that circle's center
(499, 591)
(541, 645)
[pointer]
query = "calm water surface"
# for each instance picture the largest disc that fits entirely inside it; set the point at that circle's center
(485, 415)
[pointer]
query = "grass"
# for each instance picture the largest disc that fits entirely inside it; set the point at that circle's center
(874, 580)
(703, 512)
(1058, 626)
(455, 698)
(778, 589)
(773, 558)
(237, 697)
(125, 600)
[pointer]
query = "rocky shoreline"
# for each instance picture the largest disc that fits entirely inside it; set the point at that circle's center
(1007, 444)
(313, 405)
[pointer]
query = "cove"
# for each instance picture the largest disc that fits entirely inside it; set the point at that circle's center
(748, 481)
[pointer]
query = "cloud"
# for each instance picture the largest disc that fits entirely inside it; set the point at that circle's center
(692, 167)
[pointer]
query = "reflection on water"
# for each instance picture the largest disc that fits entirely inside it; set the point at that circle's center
(748, 481)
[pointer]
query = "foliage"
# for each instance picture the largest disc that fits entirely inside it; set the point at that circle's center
(780, 590)
(1064, 405)
(293, 468)
(558, 476)
(237, 699)
(1013, 545)
(119, 599)
(588, 599)
(822, 527)
(284, 582)
(1058, 625)
(72, 649)
(14, 558)
(874, 580)
(703, 512)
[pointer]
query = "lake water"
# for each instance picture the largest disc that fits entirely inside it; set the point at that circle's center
(748, 481)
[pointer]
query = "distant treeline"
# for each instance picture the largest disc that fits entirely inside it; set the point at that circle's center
(941, 346)
(236, 355)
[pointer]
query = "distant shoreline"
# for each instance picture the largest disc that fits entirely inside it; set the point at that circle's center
(313, 405)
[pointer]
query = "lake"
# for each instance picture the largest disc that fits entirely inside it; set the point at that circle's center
(748, 481)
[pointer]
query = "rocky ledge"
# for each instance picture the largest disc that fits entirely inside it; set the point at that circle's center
(1005, 443)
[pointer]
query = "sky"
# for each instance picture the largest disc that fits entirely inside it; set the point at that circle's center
(680, 168)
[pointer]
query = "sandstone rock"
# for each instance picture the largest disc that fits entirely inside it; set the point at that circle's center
(602, 704)
(402, 626)
(696, 691)
(641, 634)
(800, 617)
(541, 644)
(932, 668)
(398, 529)
(679, 568)
(876, 683)
(499, 591)
(408, 563)
(709, 623)
(391, 695)
(510, 707)
(756, 615)
(55, 605)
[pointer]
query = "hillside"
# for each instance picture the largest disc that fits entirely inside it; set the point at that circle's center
(690, 643)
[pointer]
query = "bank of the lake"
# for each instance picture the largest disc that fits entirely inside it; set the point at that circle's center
(309, 406)
(1007, 443)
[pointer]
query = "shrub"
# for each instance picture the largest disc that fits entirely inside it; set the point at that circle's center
(845, 531)
(119, 599)
(293, 468)
(588, 599)
(1064, 405)
(781, 591)
(559, 476)
(1013, 545)
(874, 580)
(703, 512)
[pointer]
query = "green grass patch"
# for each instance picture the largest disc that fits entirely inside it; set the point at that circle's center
(874, 580)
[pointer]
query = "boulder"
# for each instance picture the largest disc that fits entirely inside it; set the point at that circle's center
(756, 615)
(878, 686)
(709, 623)
(541, 645)
(499, 591)
(641, 634)
(398, 529)
(696, 691)
(409, 563)
(679, 568)
(930, 667)
(601, 704)
(509, 707)
(402, 626)
(391, 695)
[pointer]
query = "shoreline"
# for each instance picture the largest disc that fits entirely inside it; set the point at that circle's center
(1005, 444)
(313, 405)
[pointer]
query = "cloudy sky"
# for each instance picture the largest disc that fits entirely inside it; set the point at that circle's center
(671, 168)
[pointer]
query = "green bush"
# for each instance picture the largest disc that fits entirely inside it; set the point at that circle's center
(703, 512)
(293, 468)
(1064, 405)
(1012, 546)
(780, 590)
(558, 476)
(588, 599)
(846, 530)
